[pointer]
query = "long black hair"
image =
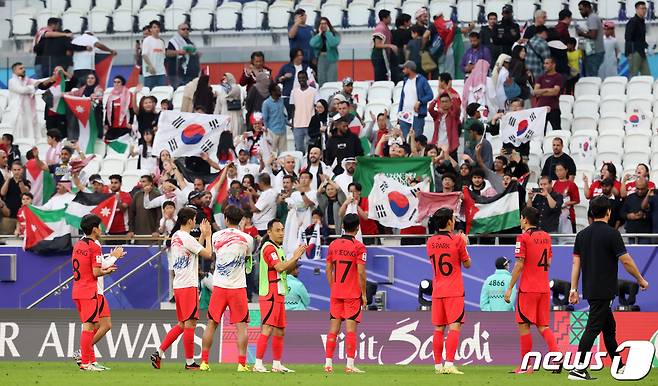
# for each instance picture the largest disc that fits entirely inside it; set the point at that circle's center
(225, 146)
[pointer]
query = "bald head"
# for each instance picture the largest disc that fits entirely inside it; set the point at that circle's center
(289, 163)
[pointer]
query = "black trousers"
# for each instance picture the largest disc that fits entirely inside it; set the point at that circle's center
(600, 320)
(553, 117)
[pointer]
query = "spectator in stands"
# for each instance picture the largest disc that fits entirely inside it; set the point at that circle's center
(62, 196)
(7, 144)
(638, 218)
(628, 182)
(492, 295)
(274, 118)
(153, 55)
(635, 40)
(256, 96)
(400, 37)
(297, 298)
(325, 48)
(182, 57)
(562, 26)
(316, 167)
(616, 203)
(55, 145)
(446, 122)
(611, 48)
(476, 52)
(593, 38)
(445, 86)
(486, 34)
(95, 183)
(650, 205)
(548, 88)
(204, 96)
(303, 100)
(519, 72)
(57, 51)
(344, 179)
(501, 78)
(330, 199)
(342, 144)
(12, 189)
(539, 20)
(119, 225)
(26, 201)
(236, 196)
(51, 30)
(229, 102)
(54, 112)
(256, 65)
(299, 37)
(416, 93)
(118, 110)
(146, 159)
(357, 204)
(382, 47)
(226, 148)
(143, 221)
(317, 127)
(570, 198)
(476, 132)
(253, 141)
(22, 102)
(84, 62)
(284, 166)
(243, 166)
(5, 171)
(288, 76)
(549, 204)
(264, 208)
(91, 89)
(479, 186)
(285, 190)
(574, 57)
(61, 170)
(537, 52)
(414, 47)
(608, 170)
(507, 31)
(559, 156)
(146, 114)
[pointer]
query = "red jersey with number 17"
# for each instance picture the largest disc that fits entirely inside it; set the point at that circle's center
(86, 256)
(534, 247)
(447, 252)
(345, 254)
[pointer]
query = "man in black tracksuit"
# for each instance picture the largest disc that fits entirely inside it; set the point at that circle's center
(342, 144)
(506, 32)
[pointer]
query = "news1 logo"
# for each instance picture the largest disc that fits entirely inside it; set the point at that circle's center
(641, 356)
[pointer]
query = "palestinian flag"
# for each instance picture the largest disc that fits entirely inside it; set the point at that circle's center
(102, 205)
(492, 214)
(57, 90)
(82, 108)
(42, 182)
(211, 180)
(46, 231)
(133, 78)
(120, 145)
(103, 66)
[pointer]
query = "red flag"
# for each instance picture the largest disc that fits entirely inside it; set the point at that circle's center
(105, 210)
(35, 229)
(80, 107)
(469, 209)
(103, 68)
(222, 191)
(429, 202)
(133, 79)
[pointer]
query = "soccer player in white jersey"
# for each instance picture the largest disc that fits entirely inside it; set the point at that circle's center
(185, 251)
(232, 262)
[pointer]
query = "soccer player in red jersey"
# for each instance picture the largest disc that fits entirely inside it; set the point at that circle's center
(185, 251)
(346, 274)
(448, 254)
(88, 267)
(533, 259)
(272, 289)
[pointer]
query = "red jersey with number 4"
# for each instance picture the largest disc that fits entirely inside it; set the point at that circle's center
(345, 254)
(447, 252)
(86, 256)
(534, 247)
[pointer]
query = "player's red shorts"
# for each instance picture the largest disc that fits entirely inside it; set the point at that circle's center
(446, 311)
(87, 309)
(272, 313)
(345, 309)
(533, 308)
(187, 303)
(233, 298)
(103, 307)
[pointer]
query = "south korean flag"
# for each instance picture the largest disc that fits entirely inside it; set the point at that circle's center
(394, 204)
(189, 134)
(519, 127)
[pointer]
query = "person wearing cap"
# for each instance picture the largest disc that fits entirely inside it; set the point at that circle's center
(476, 52)
(492, 295)
(325, 47)
(383, 47)
(635, 41)
(342, 144)
(297, 298)
(507, 31)
(243, 165)
(299, 37)
(416, 93)
(615, 220)
(345, 95)
(593, 38)
(96, 184)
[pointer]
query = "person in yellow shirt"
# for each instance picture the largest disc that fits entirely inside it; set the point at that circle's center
(574, 57)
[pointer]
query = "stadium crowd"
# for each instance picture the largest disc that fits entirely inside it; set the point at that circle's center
(506, 70)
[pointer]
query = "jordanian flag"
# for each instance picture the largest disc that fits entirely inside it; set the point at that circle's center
(103, 66)
(120, 145)
(58, 89)
(82, 108)
(401, 169)
(46, 231)
(102, 205)
(42, 182)
(492, 214)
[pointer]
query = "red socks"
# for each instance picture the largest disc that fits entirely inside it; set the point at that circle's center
(277, 347)
(242, 359)
(451, 345)
(549, 338)
(437, 346)
(87, 346)
(261, 346)
(331, 345)
(171, 337)
(188, 343)
(526, 344)
(204, 355)
(350, 344)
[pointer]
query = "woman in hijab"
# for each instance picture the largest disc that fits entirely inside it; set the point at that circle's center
(478, 88)
(257, 95)
(229, 102)
(118, 110)
(93, 90)
(204, 96)
(519, 72)
(317, 127)
(500, 76)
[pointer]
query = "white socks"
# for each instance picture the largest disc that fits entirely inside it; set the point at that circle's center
(258, 363)
(160, 352)
(350, 362)
(189, 361)
(448, 364)
(276, 364)
(328, 362)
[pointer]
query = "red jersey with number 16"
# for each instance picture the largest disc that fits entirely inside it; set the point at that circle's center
(86, 256)
(345, 254)
(447, 252)
(534, 247)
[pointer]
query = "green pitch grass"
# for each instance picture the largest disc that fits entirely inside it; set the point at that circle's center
(142, 374)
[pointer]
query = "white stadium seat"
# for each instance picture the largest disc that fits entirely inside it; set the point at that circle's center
(639, 85)
(392, 6)
(162, 92)
(468, 10)
(201, 18)
(614, 85)
(112, 166)
(123, 20)
(376, 108)
(132, 5)
(147, 14)
(573, 7)
(612, 124)
(566, 103)
(411, 6)
(358, 15)
(44, 15)
(253, 14)
(609, 9)
(333, 12)
(497, 6)
(380, 92)
(183, 4)
(610, 144)
(55, 5)
(640, 102)
(227, 14)
(279, 15)
(97, 19)
(328, 90)
(173, 17)
(587, 86)
(525, 9)
(586, 106)
(72, 19)
(552, 8)
(310, 9)
(565, 121)
(611, 103)
(81, 4)
(583, 123)
(637, 142)
(632, 159)
(158, 4)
